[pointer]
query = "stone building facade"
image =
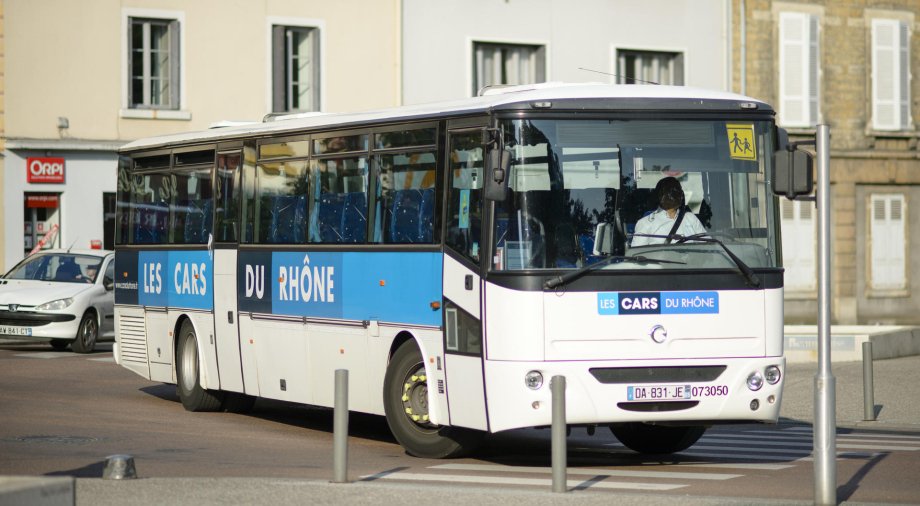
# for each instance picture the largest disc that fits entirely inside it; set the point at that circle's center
(848, 64)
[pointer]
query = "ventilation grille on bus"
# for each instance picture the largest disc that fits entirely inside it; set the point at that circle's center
(678, 374)
(133, 347)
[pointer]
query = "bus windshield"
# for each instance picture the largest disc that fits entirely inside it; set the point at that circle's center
(581, 191)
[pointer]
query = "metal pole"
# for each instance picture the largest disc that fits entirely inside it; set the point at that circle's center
(825, 429)
(340, 428)
(868, 383)
(557, 386)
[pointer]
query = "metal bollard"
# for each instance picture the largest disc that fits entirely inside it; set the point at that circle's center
(119, 467)
(559, 450)
(868, 383)
(340, 428)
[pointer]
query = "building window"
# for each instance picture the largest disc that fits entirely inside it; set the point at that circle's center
(890, 75)
(798, 70)
(799, 245)
(507, 64)
(153, 62)
(641, 67)
(295, 69)
(888, 240)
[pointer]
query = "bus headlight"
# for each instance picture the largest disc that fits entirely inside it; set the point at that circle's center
(772, 374)
(533, 380)
(755, 381)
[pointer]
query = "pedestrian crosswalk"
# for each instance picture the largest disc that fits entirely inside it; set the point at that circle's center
(721, 455)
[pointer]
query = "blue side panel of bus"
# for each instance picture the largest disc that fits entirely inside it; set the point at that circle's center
(382, 286)
(165, 279)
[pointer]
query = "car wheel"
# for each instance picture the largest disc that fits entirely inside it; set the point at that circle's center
(60, 344)
(656, 439)
(405, 401)
(87, 332)
(193, 397)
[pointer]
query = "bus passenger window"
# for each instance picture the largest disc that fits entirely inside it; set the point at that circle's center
(282, 202)
(338, 213)
(405, 202)
(226, 226)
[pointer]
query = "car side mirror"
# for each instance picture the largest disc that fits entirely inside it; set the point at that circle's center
(109, 284)
(793, 170)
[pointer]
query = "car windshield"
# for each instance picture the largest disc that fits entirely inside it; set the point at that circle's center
(583, 190)
(61, 267)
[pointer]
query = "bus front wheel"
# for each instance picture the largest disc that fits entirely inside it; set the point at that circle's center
(405, 400)
(658, 439)
(192, 395)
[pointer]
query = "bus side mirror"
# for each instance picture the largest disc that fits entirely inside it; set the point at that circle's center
(793, 173)
(498, 167)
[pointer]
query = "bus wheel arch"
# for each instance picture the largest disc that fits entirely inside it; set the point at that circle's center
(405, 406)
(188, 371)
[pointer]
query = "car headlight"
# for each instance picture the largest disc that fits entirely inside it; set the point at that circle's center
(55, 305)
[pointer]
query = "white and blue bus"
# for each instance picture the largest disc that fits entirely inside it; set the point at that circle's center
(454, 257)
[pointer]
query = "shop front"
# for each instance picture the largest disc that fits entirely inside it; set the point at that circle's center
(56, 198)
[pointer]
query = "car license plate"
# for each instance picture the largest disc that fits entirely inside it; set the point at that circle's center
(15, 331)
(658, 393)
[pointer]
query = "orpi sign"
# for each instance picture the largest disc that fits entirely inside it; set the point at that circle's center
(45, 170)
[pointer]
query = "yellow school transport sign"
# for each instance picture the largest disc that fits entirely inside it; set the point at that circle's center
(741, 141)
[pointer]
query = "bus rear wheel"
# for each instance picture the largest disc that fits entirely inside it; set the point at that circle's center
(405, 401)
(192, 395)
(656, 439)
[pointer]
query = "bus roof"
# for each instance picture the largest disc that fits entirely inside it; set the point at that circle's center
(508, 97)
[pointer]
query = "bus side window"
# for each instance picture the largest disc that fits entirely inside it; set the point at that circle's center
(464, 193)
(405, 198)
(226, 225)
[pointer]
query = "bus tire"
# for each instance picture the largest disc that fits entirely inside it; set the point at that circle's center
(193, 397)
(656, 439)
(405, 401)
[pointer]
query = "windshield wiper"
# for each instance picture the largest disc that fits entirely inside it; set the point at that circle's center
(746, 271)
(639, 259)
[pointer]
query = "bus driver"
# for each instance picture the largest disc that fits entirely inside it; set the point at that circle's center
(671, 217)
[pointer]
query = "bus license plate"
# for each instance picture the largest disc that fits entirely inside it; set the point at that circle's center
(658, 393)
(15, 331)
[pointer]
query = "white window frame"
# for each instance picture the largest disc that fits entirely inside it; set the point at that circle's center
(618, 76)
(319, 26)
(471, 63)
(180, 111)
(895, 51)
(799, 60)
(887, 254)
(799, 246)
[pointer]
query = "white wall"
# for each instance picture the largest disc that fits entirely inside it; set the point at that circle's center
(437, 39)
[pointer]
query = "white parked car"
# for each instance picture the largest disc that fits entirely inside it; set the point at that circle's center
(65, 297)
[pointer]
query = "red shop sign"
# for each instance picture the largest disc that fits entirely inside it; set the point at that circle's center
(34, 201)
(45, 170)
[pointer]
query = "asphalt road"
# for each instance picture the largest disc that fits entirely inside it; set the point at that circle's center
(61, 414)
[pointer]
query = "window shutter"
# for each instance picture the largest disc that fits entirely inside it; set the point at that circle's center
(812, 68)
(174, 65)
(904, 74)
(799, 257)
(798, 60)
(888, 242)
(279, 81)
(890, 75)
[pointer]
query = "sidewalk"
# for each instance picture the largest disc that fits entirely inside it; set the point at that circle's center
(896, 399)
